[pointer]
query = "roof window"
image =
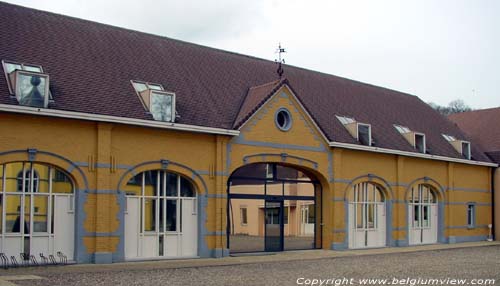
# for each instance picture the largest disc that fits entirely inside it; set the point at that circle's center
(416, 139)
(160, 103)
(27, 83)
(461, 146)
(361, 131)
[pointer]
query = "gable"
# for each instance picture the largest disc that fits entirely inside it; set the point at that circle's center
(262, 125)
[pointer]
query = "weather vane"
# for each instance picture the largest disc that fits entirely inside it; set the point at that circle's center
(280, 61)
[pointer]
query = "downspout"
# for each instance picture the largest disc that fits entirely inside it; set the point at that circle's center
(495, 212)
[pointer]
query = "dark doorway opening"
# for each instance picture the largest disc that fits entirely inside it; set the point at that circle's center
(273, 207)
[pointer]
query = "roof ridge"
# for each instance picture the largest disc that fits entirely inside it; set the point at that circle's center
(400, 93)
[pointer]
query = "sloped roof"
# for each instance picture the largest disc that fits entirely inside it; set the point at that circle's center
(256, 96)
(91, 65)
(482, 126)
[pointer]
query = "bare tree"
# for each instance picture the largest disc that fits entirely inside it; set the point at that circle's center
(455, 106)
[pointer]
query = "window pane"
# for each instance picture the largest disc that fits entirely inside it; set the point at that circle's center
(161, 218)
(27, 219)
(161, 107)
(186, 188)
(40, 213)
(149, 214)
(364, 134)
(155, 86)
(150, 184)
(416, 215)
(171, 185)
(359, 215)
(244, 219)
(42, 172)
(12, 67)
(61, 183)
(30, 90)
(13, 213)
(420, 143)
(171, 215)
(32, 68)
(134, 186)
(139, 87)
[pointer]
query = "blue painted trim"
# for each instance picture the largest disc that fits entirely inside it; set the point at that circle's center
(241, 140)
(459, 239)
(467, 190)
(388, 226)
(282, 156)
(476, 226)
(217, 196)
(339, 246)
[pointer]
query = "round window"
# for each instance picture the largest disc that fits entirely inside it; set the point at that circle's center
(283, 119)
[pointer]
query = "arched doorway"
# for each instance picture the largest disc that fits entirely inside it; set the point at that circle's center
(161, 216)
(37, 214)
(422, 214)
(367, 216)
(273, 207)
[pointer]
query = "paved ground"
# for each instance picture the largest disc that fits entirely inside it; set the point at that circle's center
(480, 262)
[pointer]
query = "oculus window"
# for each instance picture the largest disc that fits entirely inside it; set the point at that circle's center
(160, 103)
(283, 119)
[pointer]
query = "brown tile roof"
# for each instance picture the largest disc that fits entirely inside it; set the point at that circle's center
(91, 65)
(256, 96)
(482, 126)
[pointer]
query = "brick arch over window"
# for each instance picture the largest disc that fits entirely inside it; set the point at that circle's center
(71, 169)
(436, 188)
(439, 192)
(383, 185)
(165, 165)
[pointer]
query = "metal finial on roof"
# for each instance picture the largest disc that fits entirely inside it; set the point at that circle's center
(280, 60)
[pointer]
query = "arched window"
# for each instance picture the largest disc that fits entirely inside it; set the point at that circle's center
(365, 197)
(420, 199)
(162, 212)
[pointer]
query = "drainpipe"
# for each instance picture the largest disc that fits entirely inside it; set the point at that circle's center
(493, 205)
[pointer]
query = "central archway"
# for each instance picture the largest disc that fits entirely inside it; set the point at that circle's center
(273, 207)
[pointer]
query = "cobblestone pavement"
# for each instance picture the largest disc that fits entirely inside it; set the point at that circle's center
(467, 263)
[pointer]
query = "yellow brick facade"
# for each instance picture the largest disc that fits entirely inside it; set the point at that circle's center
(101, 157)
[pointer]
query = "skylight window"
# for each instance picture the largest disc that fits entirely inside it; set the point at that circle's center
(402, 129)
(160, 103)
(449, 138)
(345, 120)
(28, 83)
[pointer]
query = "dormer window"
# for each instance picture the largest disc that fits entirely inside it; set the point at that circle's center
(361, 131)
(461, 146)
(28, 83)
(416, 139)
(364, 134)
(466, 150)
(420, 142)
(160, 103)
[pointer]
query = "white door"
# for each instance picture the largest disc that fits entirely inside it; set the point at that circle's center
(161, 218)
(132, 227)
(422, 216)
(64, 220)
(367, 217)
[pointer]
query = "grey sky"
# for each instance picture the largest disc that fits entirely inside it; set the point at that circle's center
(439, 50)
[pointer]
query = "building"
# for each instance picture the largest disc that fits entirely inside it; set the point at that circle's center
(119, 145)
(482, 127)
